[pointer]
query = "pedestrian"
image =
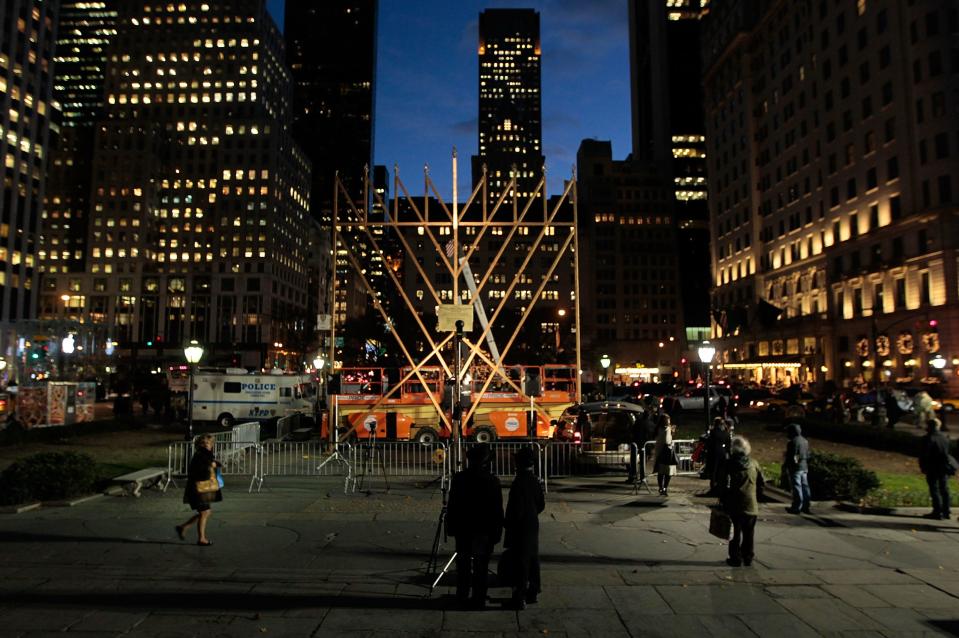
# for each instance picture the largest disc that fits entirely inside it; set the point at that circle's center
(796, 463)
(937, 464)
(584, 426)
(526, 501)
(924, 408)
(474, 517)
(664, 454)
(145, 400)
(718, 452)
(638, 426)
(722, 405)
(202, 469)
(740, 500)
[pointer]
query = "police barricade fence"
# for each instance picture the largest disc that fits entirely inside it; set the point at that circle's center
(568, 458)
(304, 458)
(401, 459)
(684, 453)
(285, 425)
(235, 459)
(503, 456)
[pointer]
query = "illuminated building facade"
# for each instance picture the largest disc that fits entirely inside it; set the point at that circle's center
(632, 305)
(26, 84)
(199, 196)
(833, 191)
(86, 29)
(669, 126)
(510, 111)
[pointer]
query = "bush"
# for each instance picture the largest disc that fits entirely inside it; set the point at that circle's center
(48, 476)
(841, 478)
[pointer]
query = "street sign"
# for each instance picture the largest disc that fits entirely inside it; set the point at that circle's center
(323, 322)
(449, 313)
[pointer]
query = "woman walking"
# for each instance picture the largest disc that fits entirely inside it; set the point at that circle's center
(526, 501)
(739, 498)
(198, 493)
(663, 453)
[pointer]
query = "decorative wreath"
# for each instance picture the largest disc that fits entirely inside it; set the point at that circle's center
(862, 347)
(904, 343)
(930, 341)
(882, 345)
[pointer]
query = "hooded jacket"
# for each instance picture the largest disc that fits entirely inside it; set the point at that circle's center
(742, 478)
(797, 450)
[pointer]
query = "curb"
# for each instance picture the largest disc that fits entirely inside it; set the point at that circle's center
(73, 501)
(20, 509)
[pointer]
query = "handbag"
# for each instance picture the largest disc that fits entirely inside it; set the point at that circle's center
(209, 485)
(219, 477)
(719, 524)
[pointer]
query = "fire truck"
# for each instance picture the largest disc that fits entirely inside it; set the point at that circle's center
(526, 408)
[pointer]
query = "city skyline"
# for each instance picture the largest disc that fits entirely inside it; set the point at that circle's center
(427, 57)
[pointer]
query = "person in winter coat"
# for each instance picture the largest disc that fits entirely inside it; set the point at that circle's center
(796, 463)
(937, 465)
(202, 466)
(742, 481)
(526, 501)
(663, 453)
(474, 517)
(717, 451)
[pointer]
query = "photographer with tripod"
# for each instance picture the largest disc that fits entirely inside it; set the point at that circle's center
(475, 518)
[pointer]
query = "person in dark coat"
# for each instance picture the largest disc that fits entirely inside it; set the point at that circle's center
(474, 517)
(717, 452)
(796, 463)
(935, 463)
(742, 480)
(202, 465)
(526, 501)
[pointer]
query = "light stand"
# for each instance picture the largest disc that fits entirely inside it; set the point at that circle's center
(458, 397)
(706, 354)
(605, 361)
(193, 353)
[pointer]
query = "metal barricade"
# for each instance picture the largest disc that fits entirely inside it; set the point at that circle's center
(303, 459)
(285, 426)
(402, 459)
(684, 452)
(248, 433)
(502, 456)
(235, 459)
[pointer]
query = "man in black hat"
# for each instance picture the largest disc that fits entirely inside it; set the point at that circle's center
(474, 517)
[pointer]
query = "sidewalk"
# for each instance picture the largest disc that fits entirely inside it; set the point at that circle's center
(302, 559)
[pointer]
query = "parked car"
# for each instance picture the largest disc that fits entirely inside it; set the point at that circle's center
(692, 399)
(609, 420)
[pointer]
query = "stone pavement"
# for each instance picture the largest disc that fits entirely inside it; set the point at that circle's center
(301, 559)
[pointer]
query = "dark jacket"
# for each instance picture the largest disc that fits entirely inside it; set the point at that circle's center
(476, 505)
(201, 465)
(797, 450)
(739, 490)
(526, 501)
(717, 446)
(934, 456)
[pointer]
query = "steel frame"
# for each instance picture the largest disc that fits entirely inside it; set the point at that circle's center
(456, 219)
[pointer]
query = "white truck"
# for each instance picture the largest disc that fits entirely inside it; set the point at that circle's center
(235, 395)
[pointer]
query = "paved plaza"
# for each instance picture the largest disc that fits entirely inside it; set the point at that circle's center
(302, 559)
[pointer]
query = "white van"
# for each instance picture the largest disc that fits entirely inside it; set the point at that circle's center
(233, 396)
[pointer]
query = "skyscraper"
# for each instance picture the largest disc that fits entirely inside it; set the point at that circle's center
(510, 111)
(199, 196)
(85, 31)
(26, 83)
(832, 187)
(331, 51)
(669, 127)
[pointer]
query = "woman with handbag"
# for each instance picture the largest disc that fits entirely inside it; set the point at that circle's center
(740, 487)
(663, 453)
(202, 488)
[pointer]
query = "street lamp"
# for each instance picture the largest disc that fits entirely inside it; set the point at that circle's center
(706, 354)
(938, 362)
(193, 352)
(605, 361)
(318, 363)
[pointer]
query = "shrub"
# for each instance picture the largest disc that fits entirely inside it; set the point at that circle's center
(48, 476)
(841, 478)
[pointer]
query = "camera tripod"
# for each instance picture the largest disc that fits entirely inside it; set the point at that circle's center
(440, 534)
(368, 471)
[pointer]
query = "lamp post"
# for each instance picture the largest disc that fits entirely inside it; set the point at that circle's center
(193, 352)
(706, 354)
(605, 361)
(318, 363)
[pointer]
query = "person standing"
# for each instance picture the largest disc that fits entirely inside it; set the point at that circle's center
(717, 453)
(796, 463)
(474, 517)
(202, 468)
(937, 465)
(638, 426)
(526, 501)
(664, 455)
(739, 498)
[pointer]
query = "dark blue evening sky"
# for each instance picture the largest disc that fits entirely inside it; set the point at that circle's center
(426, 100)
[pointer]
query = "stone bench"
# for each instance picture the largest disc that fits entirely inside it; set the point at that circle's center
(134, 482)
